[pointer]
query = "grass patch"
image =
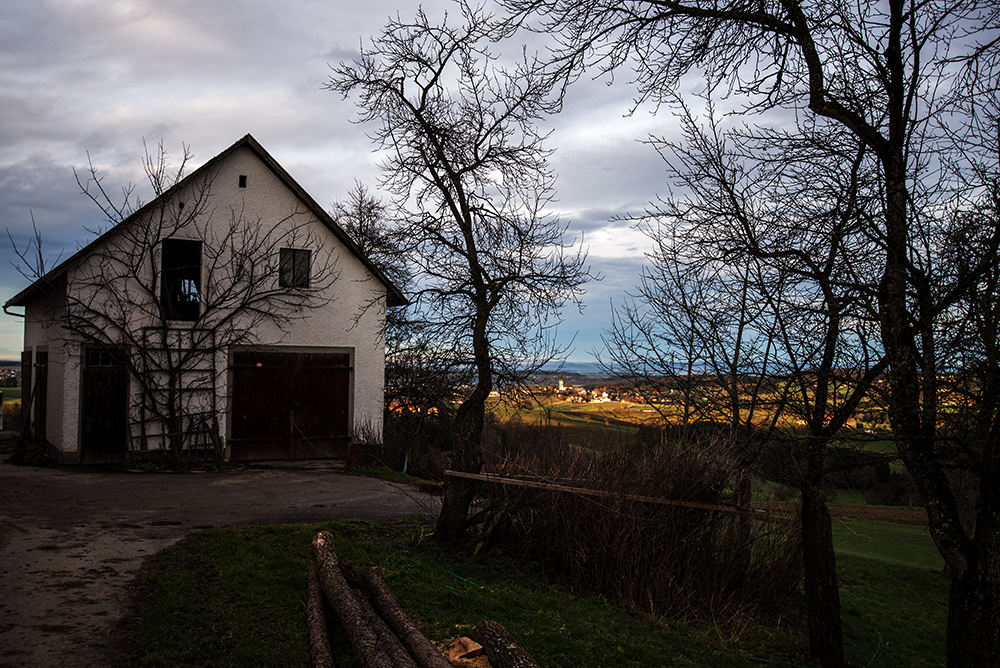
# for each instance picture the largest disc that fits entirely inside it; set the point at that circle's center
(899, 544)
(849, 497)
(236, 597)
(389, 475)
(893, 615)
(11, 394)
(893, 593)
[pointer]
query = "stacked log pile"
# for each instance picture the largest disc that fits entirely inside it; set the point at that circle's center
(381, 633)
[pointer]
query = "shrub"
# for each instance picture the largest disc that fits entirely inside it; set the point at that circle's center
(12, 416)
(658, 558)
(410, 441)
(32, 453)
(898, 490)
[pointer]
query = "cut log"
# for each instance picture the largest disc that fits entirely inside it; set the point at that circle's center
(319, 639)
(345, 604)
(501, 648)
(387, 640)
(385, 602)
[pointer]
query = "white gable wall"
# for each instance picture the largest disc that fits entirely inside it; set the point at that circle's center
(333, 326)
(342, 324)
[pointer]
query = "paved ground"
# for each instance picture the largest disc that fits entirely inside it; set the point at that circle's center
(73, 539)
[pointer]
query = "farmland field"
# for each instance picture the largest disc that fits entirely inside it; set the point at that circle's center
(603, 426)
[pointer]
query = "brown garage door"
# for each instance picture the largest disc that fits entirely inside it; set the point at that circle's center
(290, 405)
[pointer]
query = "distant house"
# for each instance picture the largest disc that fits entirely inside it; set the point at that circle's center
(230, 317)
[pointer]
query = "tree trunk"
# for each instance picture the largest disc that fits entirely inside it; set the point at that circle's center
(173, 422)
(458, 496)
(974, 606)
(467, 455)
(342, 600)
(501, 648)
(385, 602)
(973, 623)
(820, 570)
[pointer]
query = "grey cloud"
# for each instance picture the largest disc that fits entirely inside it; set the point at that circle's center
(98, 76)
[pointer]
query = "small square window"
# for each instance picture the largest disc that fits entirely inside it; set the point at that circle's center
(293, 268)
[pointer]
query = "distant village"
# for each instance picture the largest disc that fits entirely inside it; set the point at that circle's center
(590, 389)
(596, 395)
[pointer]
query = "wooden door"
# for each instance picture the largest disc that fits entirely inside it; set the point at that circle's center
(41, 393)
(104, 406)
(290, 405)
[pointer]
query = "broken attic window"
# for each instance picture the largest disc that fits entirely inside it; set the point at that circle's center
(293, 271)
(180, 293)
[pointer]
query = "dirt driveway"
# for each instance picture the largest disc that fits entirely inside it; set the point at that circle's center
(72, 540)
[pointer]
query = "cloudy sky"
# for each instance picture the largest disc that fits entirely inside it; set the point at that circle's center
(96, 77)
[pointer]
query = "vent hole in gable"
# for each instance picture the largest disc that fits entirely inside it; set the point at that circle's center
(243, 180)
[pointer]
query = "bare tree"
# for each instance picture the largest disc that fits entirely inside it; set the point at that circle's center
(916, 83)
(420, 384)
(784, 224)
(173, 285)
(367, 221)
(469, 174)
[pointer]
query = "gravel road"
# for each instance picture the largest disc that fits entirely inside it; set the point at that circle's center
(73, 539)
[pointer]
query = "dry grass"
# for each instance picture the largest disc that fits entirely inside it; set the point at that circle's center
(654, 558)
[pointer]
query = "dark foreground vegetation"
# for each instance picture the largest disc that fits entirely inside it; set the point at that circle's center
(236, 597)
(580, 580)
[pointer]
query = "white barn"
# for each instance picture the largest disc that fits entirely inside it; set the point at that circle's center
(230, 317)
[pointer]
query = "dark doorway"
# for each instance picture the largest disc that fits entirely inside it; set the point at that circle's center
(26, 396)
(34, 398)
(41, 393)
(104, 437)
(290, 405)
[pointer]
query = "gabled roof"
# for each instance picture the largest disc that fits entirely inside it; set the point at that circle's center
(45, 284)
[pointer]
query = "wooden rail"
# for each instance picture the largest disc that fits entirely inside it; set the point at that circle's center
(515, 482)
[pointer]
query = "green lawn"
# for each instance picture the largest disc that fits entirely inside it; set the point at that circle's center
(899, 544)
(11, 394)
(235, 597)
(893, 593)
(893, 615)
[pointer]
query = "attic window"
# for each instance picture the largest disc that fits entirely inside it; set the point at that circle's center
(243, 180)
(180, 291)
(293, 268)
